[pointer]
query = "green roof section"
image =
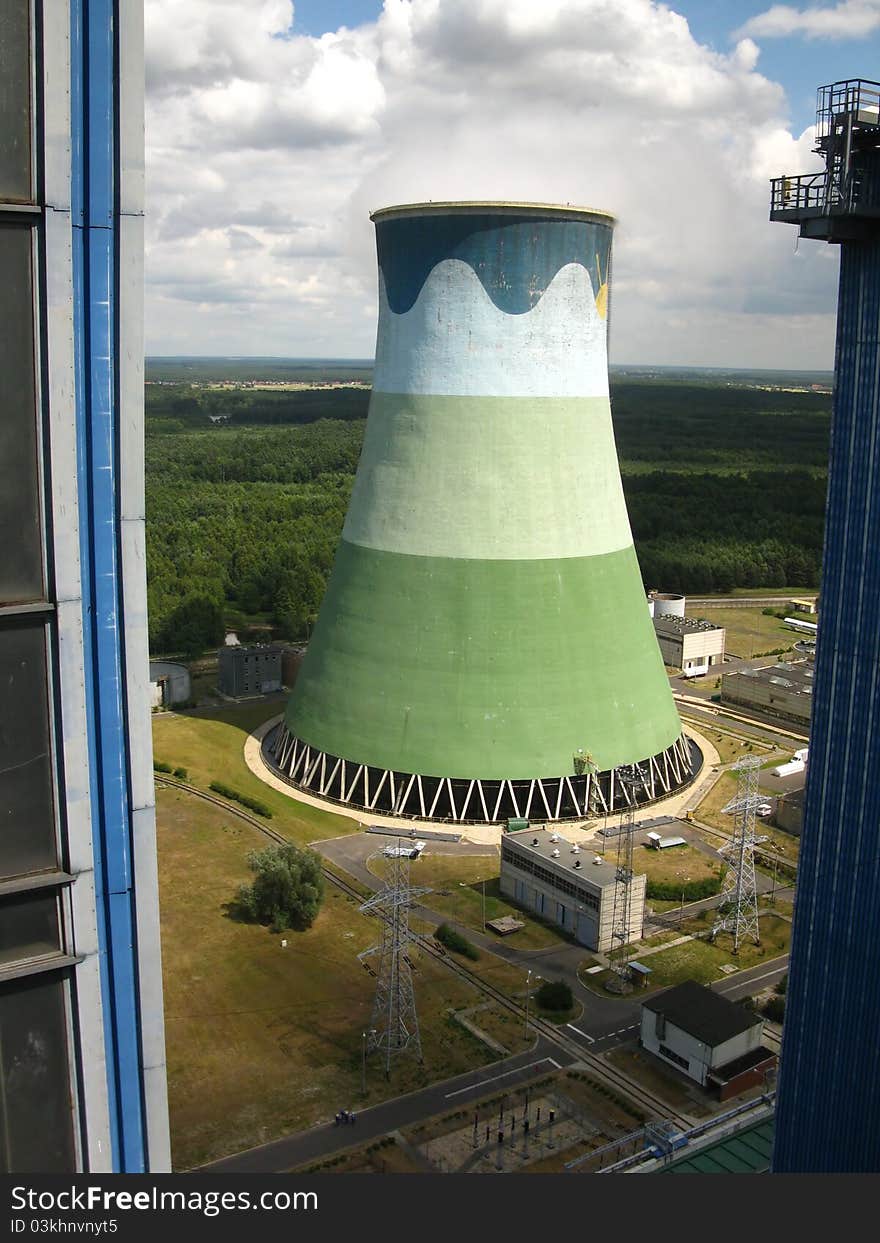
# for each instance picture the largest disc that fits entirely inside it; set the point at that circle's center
(489, 669)
(746, 1152)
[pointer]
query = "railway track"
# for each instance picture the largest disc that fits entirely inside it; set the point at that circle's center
(609, 1075)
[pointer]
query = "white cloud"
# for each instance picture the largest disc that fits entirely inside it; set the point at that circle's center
(850, 19)
(266, 150)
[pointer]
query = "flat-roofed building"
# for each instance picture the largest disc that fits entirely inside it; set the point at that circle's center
(249, 670)
(691, 644)
(783, 690)
(561, 882)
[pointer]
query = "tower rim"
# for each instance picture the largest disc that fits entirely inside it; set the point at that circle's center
(501, 207)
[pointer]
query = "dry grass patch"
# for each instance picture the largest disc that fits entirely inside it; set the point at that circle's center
(675, 864)
(749, 632)
(264, 1040)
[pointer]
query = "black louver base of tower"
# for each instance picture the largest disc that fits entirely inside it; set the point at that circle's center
(382, 791)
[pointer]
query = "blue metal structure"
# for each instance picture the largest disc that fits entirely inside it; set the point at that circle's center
(80, 999)
(94, 219)
(828, 1101)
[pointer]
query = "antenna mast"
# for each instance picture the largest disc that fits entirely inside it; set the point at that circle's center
(632, 777)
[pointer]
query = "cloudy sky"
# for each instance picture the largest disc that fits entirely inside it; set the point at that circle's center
(274, 128)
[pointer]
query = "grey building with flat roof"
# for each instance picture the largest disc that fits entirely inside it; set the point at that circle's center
(249, 670)
(783, 690)
(560, 881)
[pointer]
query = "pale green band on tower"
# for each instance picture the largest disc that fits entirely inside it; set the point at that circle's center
(507, 478)
(486, 669)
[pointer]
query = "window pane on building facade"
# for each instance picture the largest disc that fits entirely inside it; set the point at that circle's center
(29, 926)
(15, 100)
(21, 559)
(27, 828)
(36, 1131)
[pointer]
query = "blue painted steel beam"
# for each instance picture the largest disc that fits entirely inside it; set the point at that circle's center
(94, 105)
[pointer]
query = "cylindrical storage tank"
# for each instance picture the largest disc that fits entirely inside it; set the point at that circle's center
(483, 650)
(669, 604)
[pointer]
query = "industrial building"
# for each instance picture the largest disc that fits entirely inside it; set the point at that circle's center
(829, 1085)
(82, 1055)
(249, 670)
(668, 603)
(170, 684)
(483, 650)
(690, 644)
(567, 885)
(712, 1040)
(783, 690)
(789, 813)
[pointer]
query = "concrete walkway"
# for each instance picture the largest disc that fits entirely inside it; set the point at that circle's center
(489, 835)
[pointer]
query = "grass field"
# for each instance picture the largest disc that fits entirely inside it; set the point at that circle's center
(210, 745)
(457, 885)
(676, 864)
(700, 961)
(264, 1040)
(749, 632)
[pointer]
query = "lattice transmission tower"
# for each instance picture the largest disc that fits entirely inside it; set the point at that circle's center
(633, 779)
(394, 1027)
(739, 894)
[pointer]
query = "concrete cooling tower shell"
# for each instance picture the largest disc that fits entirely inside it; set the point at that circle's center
(483, 649)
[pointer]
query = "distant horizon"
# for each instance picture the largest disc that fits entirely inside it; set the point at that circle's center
(331, 358)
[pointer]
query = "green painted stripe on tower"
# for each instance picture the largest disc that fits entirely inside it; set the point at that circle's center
(456, 477)
(488, 669)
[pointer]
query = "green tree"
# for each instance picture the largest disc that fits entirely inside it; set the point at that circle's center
(554, 995)
(287, 890)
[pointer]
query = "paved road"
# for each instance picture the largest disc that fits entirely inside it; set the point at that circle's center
(754, 979)
(403, 1111)
(352, 852)
(716, 717)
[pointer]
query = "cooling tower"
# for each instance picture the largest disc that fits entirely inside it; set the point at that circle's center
(483, 650)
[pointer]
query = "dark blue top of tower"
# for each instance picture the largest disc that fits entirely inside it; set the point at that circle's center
(514, 250)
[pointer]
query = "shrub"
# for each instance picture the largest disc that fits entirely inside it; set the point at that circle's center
(287, 890)
(160, 767)
(454, 941)
(246, 801)
(781, 987)
(693, 890)
(555, 995)
(774, 1009)
(181, 773)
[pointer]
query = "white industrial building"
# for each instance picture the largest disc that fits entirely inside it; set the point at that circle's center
(714, 1041)
(690, 644)
(170, 684)
(563, 883)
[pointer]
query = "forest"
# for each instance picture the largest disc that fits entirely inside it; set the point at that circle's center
(725, 485)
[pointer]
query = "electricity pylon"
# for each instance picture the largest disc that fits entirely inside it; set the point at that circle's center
(739, 893)
(395, 1023)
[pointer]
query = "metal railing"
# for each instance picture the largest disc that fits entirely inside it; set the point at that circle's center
(809, 191)
(856, 97)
